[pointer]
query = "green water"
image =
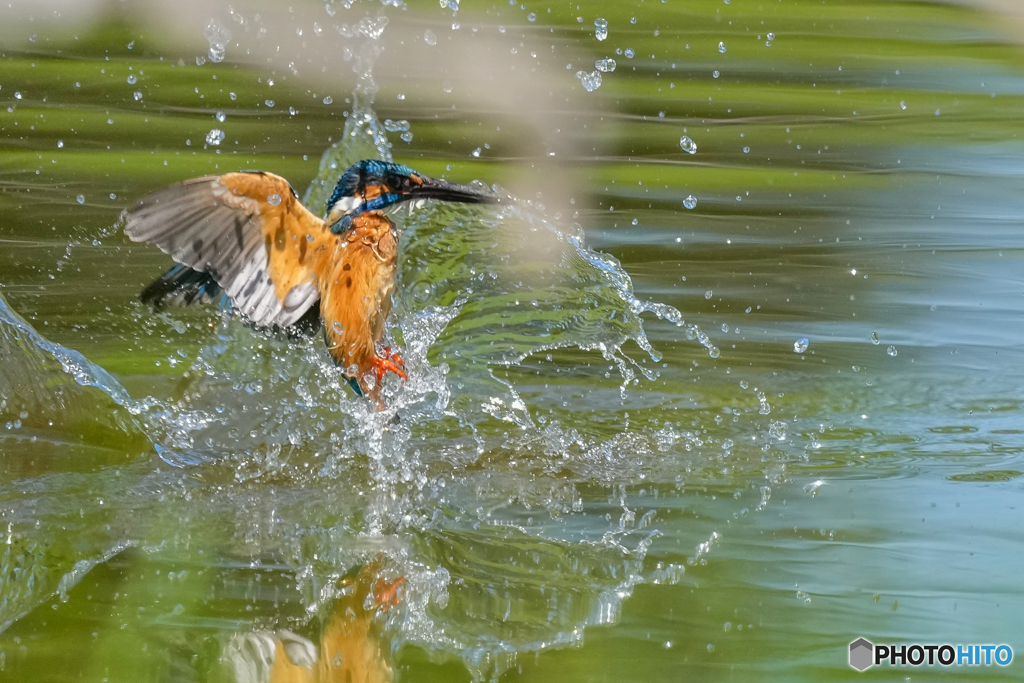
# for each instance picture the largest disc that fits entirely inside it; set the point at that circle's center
(581, 486)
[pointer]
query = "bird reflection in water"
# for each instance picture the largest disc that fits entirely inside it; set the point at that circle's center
(352, 648)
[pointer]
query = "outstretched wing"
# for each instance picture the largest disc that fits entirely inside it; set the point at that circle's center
(248, 231)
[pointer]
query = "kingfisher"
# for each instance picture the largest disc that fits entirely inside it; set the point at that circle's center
(245, 239)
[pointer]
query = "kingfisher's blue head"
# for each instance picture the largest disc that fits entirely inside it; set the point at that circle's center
(372, 185)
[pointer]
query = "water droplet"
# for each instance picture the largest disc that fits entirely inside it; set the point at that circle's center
(60, 144)
(215, 136)
(629, 53)
(715, 74)
(131, 79)
(269, 103)
(903, 104)
(874, 338)
(688, 146)
(17, 94)
(636, 221)
(777, 430)
(393, 126)
(274, 199)
(765, 408)
(708, 294)
(532, 16)
(429, 38)
(606, 65)
(218, 36)
(406, 136)
(221, 116)
(690, 202)
(137, 95)
(746, 150)
(714, 352)
(744, 384)
(80, 199)
(891, 351)
(722, 48)
(328, 100)
(475, 152)
(800, 345)
(338, 329)
(600, 28)
(711, 647)
(771, 36)
(590, 81)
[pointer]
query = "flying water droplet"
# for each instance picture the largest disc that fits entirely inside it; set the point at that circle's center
(628, 53)
(406, 136)
(600, 28)
(274, 199)
(722, 48)
(606, 65)
(800, 345)
(221, 116)
(874, 338)
(771, 36)
(475, 152)
(60, 144)
(131, 79)
(715, 73)
(891, 351)
(590, 81)
(746, 150)
(80, 199)
(688, 146)
(777, 430)
(398, 126)
(531, 17)
(137, 95)
(215, 137)
(690, 202)
(328, 100)
(429, 38)
(218, 36)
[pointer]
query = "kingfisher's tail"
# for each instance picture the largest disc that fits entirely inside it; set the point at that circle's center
(182, 286)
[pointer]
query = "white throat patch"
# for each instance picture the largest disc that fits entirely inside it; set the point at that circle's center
(347, 205)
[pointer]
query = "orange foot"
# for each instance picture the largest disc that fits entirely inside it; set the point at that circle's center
(391, 362)
(385, 593)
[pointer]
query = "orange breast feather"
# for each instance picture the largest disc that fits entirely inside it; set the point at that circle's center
(356, 296)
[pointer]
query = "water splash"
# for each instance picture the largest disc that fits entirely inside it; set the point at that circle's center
(363, 137)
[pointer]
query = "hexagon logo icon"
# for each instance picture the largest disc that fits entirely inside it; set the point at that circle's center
(861, 654)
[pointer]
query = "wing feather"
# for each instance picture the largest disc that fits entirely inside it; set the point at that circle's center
(249, 232)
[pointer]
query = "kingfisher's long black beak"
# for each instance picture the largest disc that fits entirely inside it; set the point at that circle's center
(432, 188)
